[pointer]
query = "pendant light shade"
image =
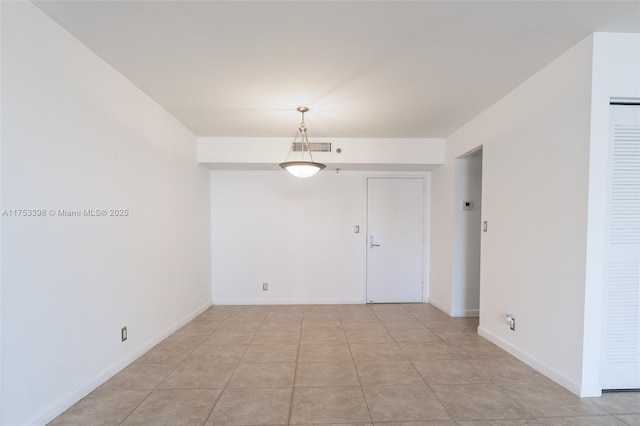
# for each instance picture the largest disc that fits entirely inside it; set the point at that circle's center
(302, 167)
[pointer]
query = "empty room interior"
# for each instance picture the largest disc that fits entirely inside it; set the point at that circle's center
(310, 212)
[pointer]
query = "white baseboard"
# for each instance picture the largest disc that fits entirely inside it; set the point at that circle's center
(62, 405)
(440, 306)
(460, 313)
(535, 363)
(591, 391)
(288, 302)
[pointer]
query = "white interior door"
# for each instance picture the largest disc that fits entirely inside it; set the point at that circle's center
(621, 325)
(395, 239)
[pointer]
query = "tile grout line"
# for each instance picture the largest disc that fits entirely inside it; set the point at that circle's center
(230, 376)
(295, 370)
(364, 396)
(425, 380)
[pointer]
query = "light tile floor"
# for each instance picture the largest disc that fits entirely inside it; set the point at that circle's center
(338, 364)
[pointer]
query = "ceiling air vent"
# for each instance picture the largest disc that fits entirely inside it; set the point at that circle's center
(314, 146)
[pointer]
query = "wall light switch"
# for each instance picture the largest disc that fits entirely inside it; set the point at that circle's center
(356, 229)
(484, 226)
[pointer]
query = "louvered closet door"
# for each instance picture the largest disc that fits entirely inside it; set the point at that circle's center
(621, 345)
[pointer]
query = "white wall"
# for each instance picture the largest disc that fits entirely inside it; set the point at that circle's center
(441, 236)
(616, 73)
(76, 134)
(534, 190)
(465, 279)
(295, 234)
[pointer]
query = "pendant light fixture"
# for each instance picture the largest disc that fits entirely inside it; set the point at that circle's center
(302, 168)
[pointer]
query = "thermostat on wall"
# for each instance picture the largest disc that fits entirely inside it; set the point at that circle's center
(467, 205)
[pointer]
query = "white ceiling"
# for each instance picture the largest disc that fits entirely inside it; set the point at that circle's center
(366, 69)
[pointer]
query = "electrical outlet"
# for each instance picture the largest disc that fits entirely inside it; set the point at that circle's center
(511, 322)
(265, 286)
(123, 333)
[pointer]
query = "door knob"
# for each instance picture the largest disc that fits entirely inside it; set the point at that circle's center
(371, 245)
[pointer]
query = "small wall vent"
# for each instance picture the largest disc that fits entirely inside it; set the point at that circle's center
(314, 146)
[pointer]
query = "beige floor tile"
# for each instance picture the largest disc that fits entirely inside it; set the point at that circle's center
(402, 324)
(429, 351)
(180, 340)
(407, 335)
(508, 370)
(280, 325)
(286, 310)
(368, 336)
(425, 423)
(479, 349)
(263, 406)
(388, 309)
(619, 402)
(102, 407)
(323, 337)
(444, 325)
(199, 376)
(240, 325)
(212, 354)
(530, 422)
(325, 353)
(206, 323)
(479, 402)
(432, 314)
(630, 419)
(320, 314)
(377, 352)
(166, 354)
(450, 372)
(215, 314)
(246, 312)
(271, 353)
(277, 337)
(174, 407)
(358, 316)
(386, 373)
(582, 421)
(230, 338)
(474, 377)
(140, 376)
(404, 404)
(329, 405)
(263, 375)
(459, 336)
(194, 330)
(310, 374)
(393, 314)
(339, 424)
(362, 325)
(547, 399)
(321, 324)
(246, 318)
